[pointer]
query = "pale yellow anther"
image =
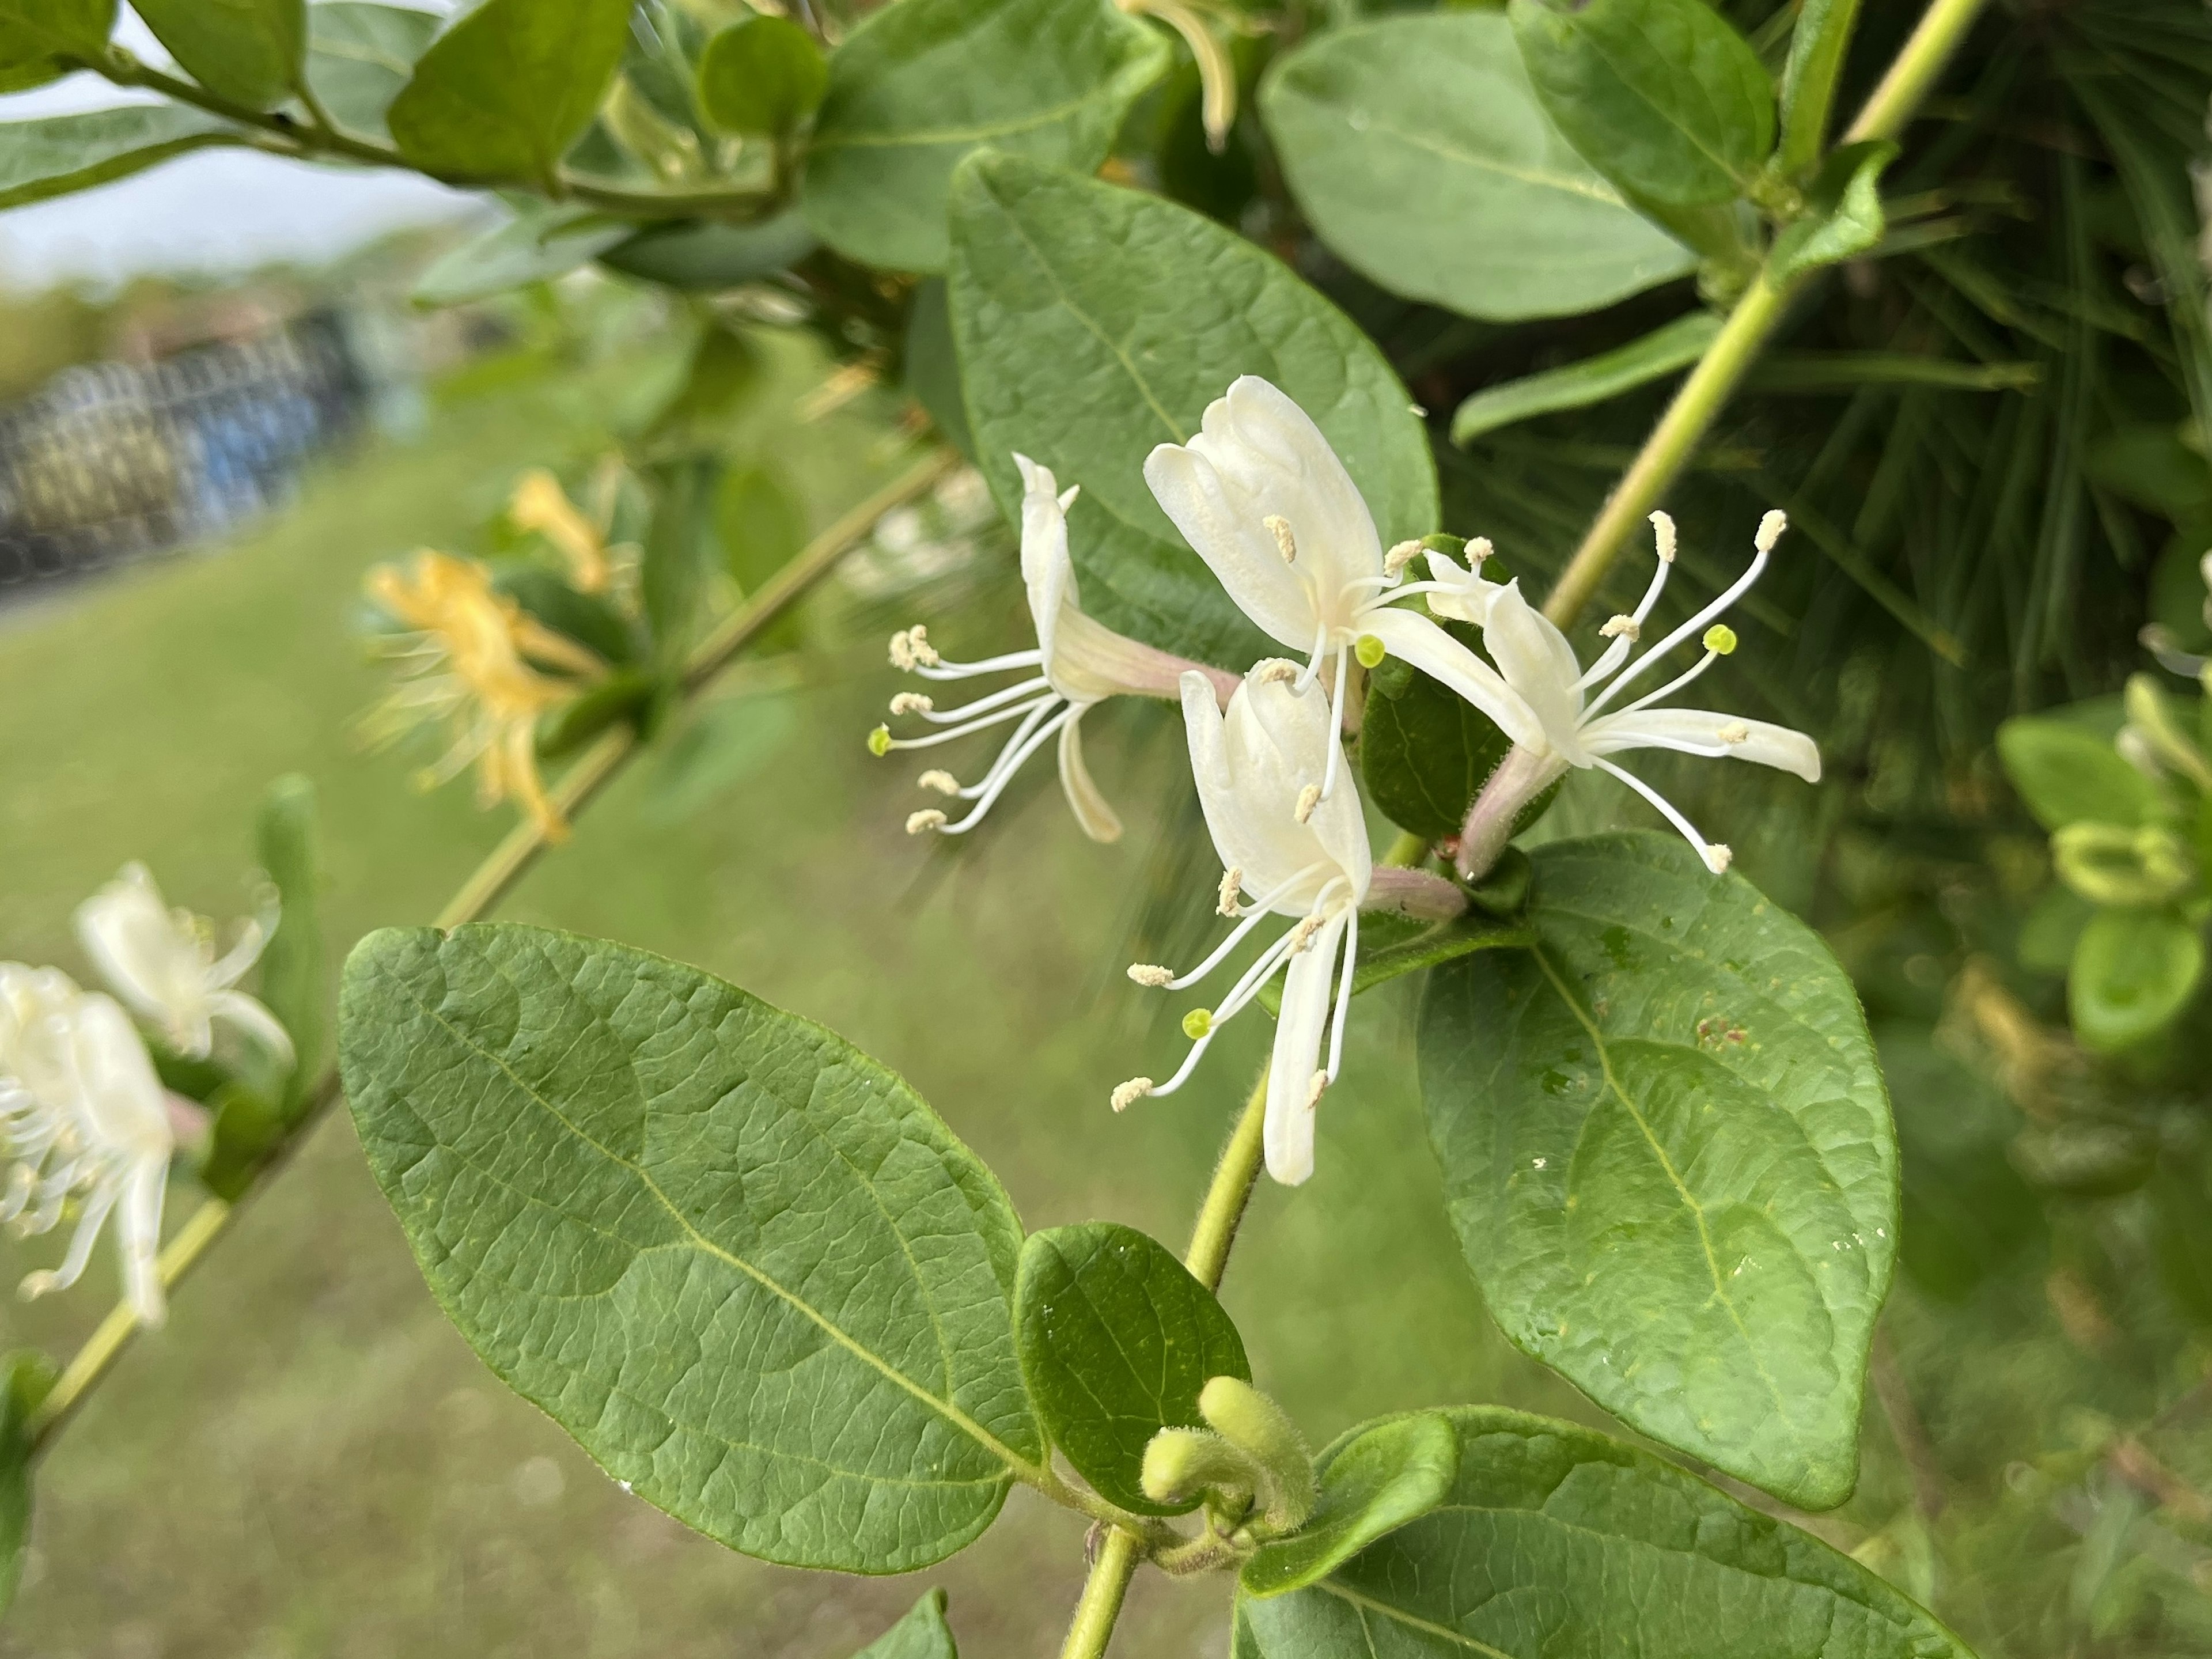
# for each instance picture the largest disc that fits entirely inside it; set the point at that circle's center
(1314, 1089)
(1399, 556)
(1735, 731)
(1663, 528)
(911, 649)
(928, 818)
(1135, 1089)
(1232, 879)
(1769, 530)
(1621, 627)
(1309, 798)
(1146, 973)
(942, 781)
(1302, 936)
(912, 703)
(1285, 544)
(1274, 669)
(1477, 550)
(1717, 857)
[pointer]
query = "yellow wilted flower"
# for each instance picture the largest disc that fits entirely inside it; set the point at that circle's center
(539, 504)
(472, 657)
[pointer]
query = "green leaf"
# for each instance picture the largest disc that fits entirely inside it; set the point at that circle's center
(1668, 1155)
(250, 52)
(2067, 773)
(933, 365)
(2133, 972)
(359, 56)
(724, 368)
(536, 246)
(586, 619)
(1392, 946)
(744, 1264)
(922, 1634)
(1661, 96)
(705, 254)
(26, 1378)
(1844, 218)
(1375, 1480)
(681, 549)
(59, 154)
(1560, 1543)
(1094, 323)
(624, 694)
(47, 37)
(1117, 1339)
(919, 85)
(503, 93)
(1418, 151)
(1668, 348)
(1425, 751)
(761, 525)
(763, 76)
(292, 972)
(725, 742)
(1818, 41)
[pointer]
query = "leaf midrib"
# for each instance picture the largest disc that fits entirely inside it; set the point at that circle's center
(1592, 190)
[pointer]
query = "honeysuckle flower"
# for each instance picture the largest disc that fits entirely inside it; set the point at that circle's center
(1261, 497)
(472, 658)
(1565, 715)
(2161, 642)
(1078, 662)
(1254, 764)
(162, 964)
(540, 504)
(84, 1119)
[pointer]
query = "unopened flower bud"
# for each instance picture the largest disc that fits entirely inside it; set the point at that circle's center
(1256, 1425)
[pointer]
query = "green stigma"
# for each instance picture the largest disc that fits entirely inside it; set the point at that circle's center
(1197, 1023)
(1370, 650)
(1720, 639)
(879, 741)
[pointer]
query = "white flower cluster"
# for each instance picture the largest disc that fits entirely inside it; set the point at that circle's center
(1266, 502)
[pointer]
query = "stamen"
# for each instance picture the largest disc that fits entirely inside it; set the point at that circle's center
(1240, 932)
(1275, 670)
(1662, 530)
(1735, 731)
(1477, 550)
(928, 818)
(1735, 592)
(942, 781)
(1302, 936)
(998, 699)
(1396, 561)
(1769, 530)
(983, 722)
(912, 703)
(1135, 1089)
(1718, 856)
(911, 649)
(1145, 973)
(1232, 880)
(1316, 1089)
(1335, 733)
(1010, 762)
(1622, 627)
(1285, 544)
(1666, 809)
(1309, 798)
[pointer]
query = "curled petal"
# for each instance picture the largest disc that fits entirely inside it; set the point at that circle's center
(1414, 639)
(1288, 1134)
(1704, 731)
(1096, 817)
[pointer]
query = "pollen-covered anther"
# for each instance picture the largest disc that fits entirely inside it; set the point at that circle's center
(1735, 731)
(1621, 627)
(1309, 798)
(912, 703)
(926, 819)
(1232, 879)
(1663, 529)
(1316, 1089)
(1146, 973)
(1717, 857)
(1401, 555)
(1135, 1089)
(1477, 550)
(1769, 530)
(1276, 670)
(939, 780)
(1302, 936)
(1285, 544)
(911, 649)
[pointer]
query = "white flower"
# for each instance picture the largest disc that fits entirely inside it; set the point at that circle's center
(1265, 502)
(1573, 727)
(84, 1117)
(1078, 663)
(2159, 640)
(163, 964)
(1255, 765)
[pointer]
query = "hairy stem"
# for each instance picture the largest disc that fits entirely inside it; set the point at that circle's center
(1746, 333)
(1103, 1591)
(487, 885)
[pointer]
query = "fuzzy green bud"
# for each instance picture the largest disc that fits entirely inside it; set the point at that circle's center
(1720, 639)
(1256, 1425)
(1180, 1463)
(1370, 650)
(879, 741)
(1197, 1023)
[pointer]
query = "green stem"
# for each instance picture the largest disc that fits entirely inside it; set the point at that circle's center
(1103, 1591)
(1748, 328)
(487, 885)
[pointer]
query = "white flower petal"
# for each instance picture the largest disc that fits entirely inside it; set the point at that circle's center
(1269, 451)
(1702, 729)
(1247, 791)
(138, 1239)
(122, 1098)
(1538, 663)
(248, 1014)
(1096, 817)
(1047, 570)
(1464, 596)
(1288, 1135)
(147, 957)
(1412, 638)
(1235, 545)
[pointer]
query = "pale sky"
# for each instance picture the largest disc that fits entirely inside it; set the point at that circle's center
(213, 211)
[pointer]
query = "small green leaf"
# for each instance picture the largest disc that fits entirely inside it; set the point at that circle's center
(761, 525)
(2133, 972)
(1373, 1481)
(26, 1378)
(1668, 1154)
(1818, 41)
(1844, 218)
(763, 76)
(1095, 322)
(922, 1634)
(1669, 347)
(933, 365)
(1425, 751)
(60, 154)
(250, 52)
(293, 982)
(536, 246)
(360, 55)
(1557, 1542)
(744, 1264)
(724, 368)
(1661, 96)
(681, 549)
(1117, 1339)
(503, 93)
(2067, 771)
(586, 619)
(705, 254)
(724, 742)
(41, 38)
(623, 695)
(919, 85)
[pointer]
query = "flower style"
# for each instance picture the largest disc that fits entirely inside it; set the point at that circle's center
(1265, 502)
(1253, 765)
(472, 659)
(162, 964)
(1556, 723)
(85, 1118)
(1078, 663)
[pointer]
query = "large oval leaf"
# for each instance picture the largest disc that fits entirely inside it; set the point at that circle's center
(1668, 1157)
(1557, 1543)
(59, 154)
(1417, 148)
(919, 85)
(248, 50)
(1094, 323)
(744, 1264)
(360, 55)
